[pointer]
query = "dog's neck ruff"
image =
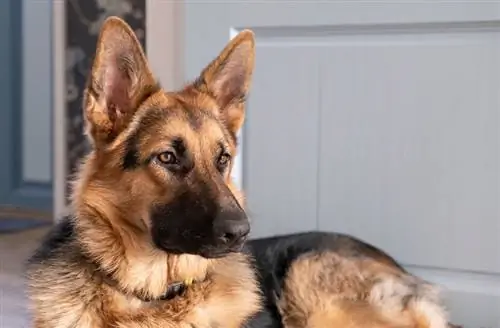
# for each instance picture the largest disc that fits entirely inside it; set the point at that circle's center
(173, 290)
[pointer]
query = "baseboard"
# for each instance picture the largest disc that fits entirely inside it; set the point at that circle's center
(473, 299)
(14, 213)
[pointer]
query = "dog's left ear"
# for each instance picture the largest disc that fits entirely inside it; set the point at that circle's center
(228, 77)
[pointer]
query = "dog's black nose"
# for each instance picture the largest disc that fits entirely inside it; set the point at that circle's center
(231, 232)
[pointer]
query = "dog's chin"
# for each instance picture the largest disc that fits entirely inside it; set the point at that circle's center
(208, 252)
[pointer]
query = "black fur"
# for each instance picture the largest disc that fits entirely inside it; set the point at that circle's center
(59, 236)
(131, 158)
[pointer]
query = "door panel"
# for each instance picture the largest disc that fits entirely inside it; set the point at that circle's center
(379, 120)
(18, 188)
(412, 158)
(275, 141)
(412, 121)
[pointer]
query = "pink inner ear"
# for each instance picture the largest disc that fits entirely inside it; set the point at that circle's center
(116, 85)
(230, 81)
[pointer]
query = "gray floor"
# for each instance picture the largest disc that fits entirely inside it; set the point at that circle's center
(14, 249)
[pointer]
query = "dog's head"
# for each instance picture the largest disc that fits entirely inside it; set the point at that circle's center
(163, 160)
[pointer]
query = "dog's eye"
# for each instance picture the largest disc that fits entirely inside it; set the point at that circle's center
(167, 158)
(223, 160)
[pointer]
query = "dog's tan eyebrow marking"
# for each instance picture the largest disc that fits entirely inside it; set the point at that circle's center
(221, 147)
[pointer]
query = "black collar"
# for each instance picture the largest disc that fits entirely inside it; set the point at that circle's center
(173, 290)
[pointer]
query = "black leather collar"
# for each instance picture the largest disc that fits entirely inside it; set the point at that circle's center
(173, 290)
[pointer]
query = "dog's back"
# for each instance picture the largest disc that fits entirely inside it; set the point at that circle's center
(320, 279)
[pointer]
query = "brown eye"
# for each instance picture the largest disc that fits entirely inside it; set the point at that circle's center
(223, 160)
(167, 158)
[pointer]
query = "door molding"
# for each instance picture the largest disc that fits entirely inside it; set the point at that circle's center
(463, 291)
(59, 105)
(15, 191)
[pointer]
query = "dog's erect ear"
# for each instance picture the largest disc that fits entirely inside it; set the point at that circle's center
(119, 80)
(227, 78)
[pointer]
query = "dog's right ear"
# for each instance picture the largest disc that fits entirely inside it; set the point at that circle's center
(119, 80)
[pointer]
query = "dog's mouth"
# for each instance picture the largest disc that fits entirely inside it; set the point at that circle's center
(215, 254)
(206, 251)
(218, 253)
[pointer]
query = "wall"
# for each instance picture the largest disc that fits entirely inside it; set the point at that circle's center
(37, 91)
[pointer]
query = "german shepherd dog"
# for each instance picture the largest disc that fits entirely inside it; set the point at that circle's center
(157, 234)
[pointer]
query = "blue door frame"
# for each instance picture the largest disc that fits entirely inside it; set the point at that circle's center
(14, 190)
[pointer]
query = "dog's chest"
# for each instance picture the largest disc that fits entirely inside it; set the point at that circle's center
(192, 310)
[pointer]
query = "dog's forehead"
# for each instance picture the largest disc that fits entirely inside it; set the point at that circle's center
(187, 99)
(182, 115)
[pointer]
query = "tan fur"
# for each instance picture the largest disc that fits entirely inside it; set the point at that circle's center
(341, 291)
(110, 205)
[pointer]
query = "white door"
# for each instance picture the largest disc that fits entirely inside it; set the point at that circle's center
(380, 119)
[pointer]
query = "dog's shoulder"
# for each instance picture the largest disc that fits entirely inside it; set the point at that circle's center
(58, 241)
(60, 281)
(58, 257)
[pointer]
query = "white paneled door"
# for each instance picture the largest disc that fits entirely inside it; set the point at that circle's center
(375, 118)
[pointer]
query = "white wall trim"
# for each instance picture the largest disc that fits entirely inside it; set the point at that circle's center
(59, 105)
(457, 281)
(237, 171)
(165, 41)
(36, 104)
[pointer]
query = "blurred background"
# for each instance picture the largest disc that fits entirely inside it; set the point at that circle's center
(379, 119)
